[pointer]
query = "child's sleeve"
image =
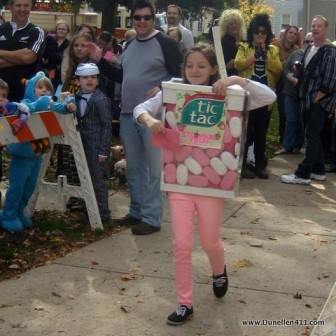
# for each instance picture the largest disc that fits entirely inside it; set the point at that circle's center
(152, 106)
(260, 95)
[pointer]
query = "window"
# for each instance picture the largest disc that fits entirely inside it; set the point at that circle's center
(286, 19)
(200, 25)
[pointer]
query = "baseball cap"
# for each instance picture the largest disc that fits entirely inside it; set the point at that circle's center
(87, 69)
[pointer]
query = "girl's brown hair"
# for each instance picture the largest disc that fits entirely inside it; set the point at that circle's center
(209, 53)
(73, 61)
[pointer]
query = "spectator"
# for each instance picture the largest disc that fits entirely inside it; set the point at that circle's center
(286, 45)
(232, 30)
(57, 46)
(128, 36)
(293, 136)
(215, 23)
(110, 51)
(142, 76)
(258, 60)
(174, 14)
(318, 99)
(175, 33)
(19, 59)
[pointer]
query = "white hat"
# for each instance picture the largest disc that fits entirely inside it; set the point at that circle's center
(87, 69)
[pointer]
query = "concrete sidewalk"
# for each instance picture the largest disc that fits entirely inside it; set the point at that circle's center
(279, 240)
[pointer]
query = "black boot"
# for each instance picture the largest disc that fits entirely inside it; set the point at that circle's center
(261, 173)
(246, 173)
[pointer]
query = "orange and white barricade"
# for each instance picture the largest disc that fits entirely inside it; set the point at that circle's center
(60, 129)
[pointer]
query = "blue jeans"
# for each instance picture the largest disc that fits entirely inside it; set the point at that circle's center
(293, 137)
(143, 171)
(313, 162)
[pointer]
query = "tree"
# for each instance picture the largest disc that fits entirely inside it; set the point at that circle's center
(250, 8)
(109, 9)
(190, 8)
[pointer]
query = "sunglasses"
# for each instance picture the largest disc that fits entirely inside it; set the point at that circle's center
(260, 32)
(307, 41)
(140, 17)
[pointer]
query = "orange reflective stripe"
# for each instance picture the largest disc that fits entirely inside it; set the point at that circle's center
(25, 134)
(51, 123)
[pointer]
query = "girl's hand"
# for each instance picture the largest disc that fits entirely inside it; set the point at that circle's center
(94, 51)
(222, 84)
(155, 125)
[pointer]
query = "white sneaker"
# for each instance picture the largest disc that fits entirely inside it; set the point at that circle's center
(317, 177)
(292, 178)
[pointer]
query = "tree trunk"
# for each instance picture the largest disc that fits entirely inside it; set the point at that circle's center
(108, 16)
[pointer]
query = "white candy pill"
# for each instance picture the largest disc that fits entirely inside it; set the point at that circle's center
(218, 166)
(171, 119)
(194, 167)
(181, 174)
(229, 160)
(235, 126)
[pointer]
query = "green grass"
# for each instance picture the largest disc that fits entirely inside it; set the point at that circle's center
(272, 139)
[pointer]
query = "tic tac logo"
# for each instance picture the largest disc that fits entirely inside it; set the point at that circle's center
(202, 110)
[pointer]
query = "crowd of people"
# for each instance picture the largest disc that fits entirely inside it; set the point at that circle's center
(116, 90)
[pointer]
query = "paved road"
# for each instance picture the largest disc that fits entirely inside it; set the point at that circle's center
(279, 240)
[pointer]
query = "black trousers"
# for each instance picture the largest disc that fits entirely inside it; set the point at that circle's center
(257, 127)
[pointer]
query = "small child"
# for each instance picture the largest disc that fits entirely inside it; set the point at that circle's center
(7, 108)
(95, 126)
(199, 68)
(26, 156)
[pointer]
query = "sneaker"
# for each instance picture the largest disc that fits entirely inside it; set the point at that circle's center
(144, 229)
(127, 220)
(292, 178)
(318, 177)
(180, 315)
(220, 284)
(283, 151)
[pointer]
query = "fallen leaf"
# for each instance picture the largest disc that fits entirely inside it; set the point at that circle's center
(308, 305)
(243, 263)
(14, 266)
(297, 296)
(256, 245)
(127, 277)
(39, 308)
(94, 263)
(55, 294)
(124, 309)
(272, 238)
(323, 241)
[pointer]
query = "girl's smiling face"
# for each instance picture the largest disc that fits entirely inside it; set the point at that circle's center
(198, 70)
(79, 49)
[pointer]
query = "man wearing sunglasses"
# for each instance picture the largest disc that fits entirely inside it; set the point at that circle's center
(174, 13)
(317, 99)
(147, 60)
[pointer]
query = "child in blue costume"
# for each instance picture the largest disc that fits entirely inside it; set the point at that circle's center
(25, 163)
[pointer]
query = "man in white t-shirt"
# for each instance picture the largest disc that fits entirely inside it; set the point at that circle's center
(318, 100)
(174, 13)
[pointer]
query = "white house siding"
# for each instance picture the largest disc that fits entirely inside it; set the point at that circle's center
(292, 8)
(327, 8)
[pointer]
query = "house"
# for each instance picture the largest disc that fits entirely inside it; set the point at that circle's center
(301, 12)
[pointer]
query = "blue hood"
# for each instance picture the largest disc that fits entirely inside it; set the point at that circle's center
(30, 86)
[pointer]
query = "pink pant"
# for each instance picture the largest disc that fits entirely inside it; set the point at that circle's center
(209, 210)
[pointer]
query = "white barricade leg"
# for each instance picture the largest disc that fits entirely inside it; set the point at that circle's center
(61, 188)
